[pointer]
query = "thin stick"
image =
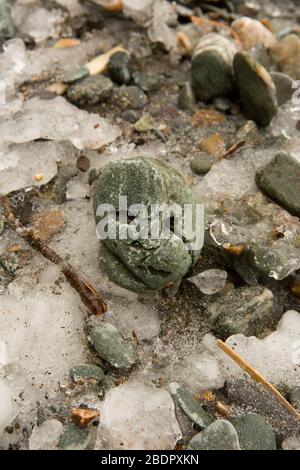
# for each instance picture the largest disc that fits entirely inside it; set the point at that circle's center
(91, 299)
(234, 148)
(257, 376)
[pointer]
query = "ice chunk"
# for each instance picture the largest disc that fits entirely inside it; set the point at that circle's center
(138, 10)
(59, 120)
(8, 410)
(46, 436)
(36, 22)
(276, 357)
(77, 190)
(139, 417)
(74, 7)
(30, 164)
(286, 120)
(202, 372)
(3, 353)
(211, 281)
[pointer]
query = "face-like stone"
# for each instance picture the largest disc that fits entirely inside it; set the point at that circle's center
(140, 264)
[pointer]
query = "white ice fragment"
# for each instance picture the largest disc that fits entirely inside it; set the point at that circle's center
(8, 410)
(46, 436)
(3, 353)
(202, 372)
(285, 121)
(17, 65)
(211, 281)
(29, 164)
(136, 416)
(276, 357)
(74, 7)
(58, 120)
(138, 10)
(77, 190)
(142, 318)
(291, 443)
(36, 22)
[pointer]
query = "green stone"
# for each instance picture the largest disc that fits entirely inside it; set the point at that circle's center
(257, 90)
(75, 75)
(280, 180)
(202, 164)
(74, 438)
(212, 72)
(84, 372)
(245, 310)
(190, 406)
(7, 29)
(144, 265)
(111, 347)
(144, 124)
(220, 435)
(254, 433)
(147, 81)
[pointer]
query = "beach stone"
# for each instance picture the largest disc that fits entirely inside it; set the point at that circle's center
(83, 163)
(135, 262)
(252, 32)
(202, 163)
(254, 433)
(86, 372)
(74, 438)
(245, 310)
(186, 97)
(118, 68)
(280, 180)
(249, 134)
(284, 87)
(294, 397)
(7, 29)
(129, 97)
(111, 347)
(220, 435)
(147, 81)
(91, 90)
(212, 74)
(286, 54)
(75, 75)
(257, 90)
(190, 406)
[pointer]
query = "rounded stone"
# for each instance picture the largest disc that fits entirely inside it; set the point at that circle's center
(220, 435)
(129, 97)
(202, 164)
(153, 263)
(119, 68)
(254, 433)
(257, 89)
(212, 73)
(91, 90)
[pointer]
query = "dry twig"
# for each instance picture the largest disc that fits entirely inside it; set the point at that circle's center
(91, 299)
(258, 377)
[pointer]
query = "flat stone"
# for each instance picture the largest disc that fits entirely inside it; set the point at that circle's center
(74, 438)
(245, 310)
(190, 406)
(75, 75)
(254, 433)
(220, 435)
(111, 347)
(202, 163)
(280, 180)
(257, 90)
(86, 372)
(119, 68)
(284, 87)
(294, 397)
(91, 90)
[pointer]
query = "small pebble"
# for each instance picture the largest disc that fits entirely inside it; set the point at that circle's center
(254, 433)
(284, 87)
(146, 81)
(220, 435)
(91, 90)
(86, 372)
(129, 97)
(74, 438)
(202, 163)
(83, 163)
(119, 68)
